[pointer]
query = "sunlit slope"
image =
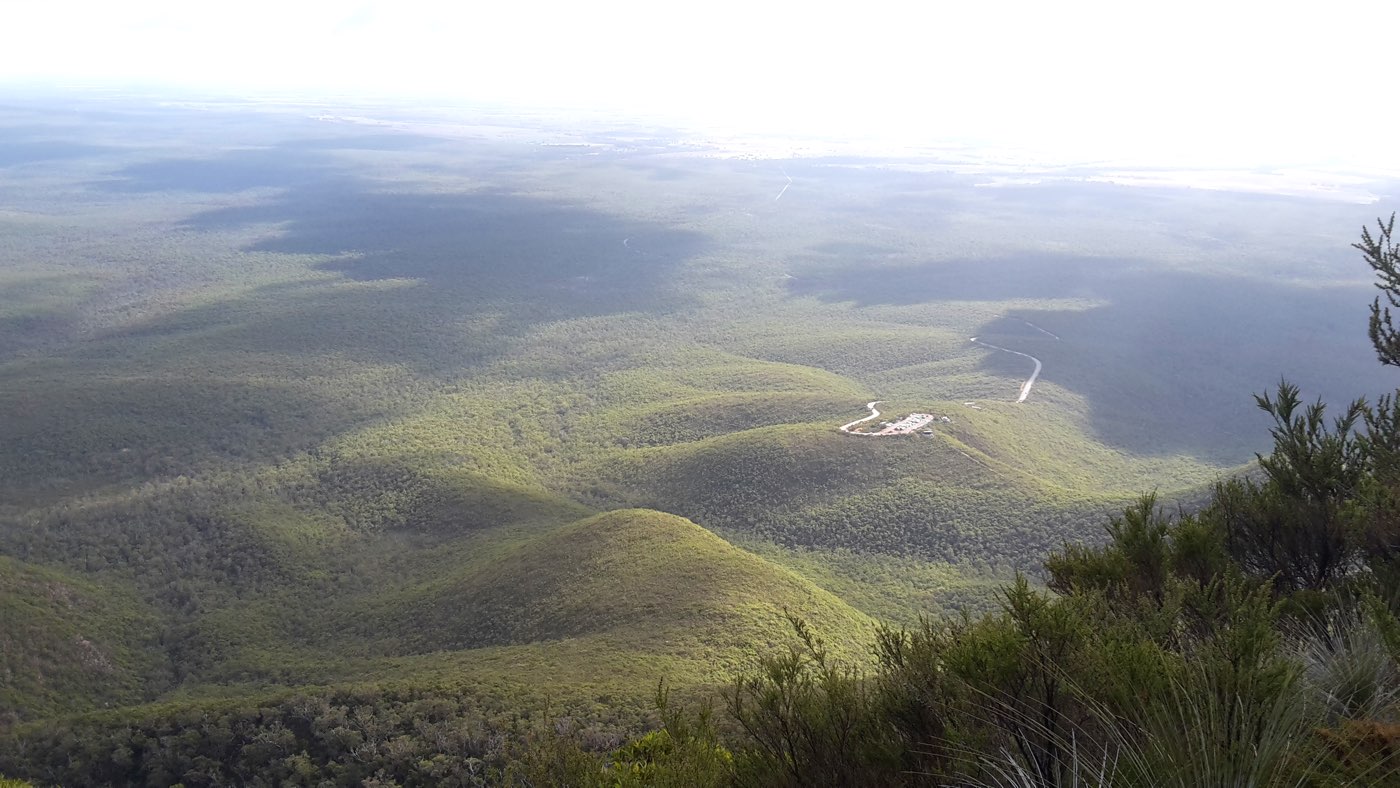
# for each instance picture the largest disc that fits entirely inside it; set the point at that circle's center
(68, 643)
(1048, 438)
(653, 581)
(337, 568)
(611, 602)
(810, 485)
(230, 574)
(590, 617)
(1077, 435)
(691, 419)
(896, 589)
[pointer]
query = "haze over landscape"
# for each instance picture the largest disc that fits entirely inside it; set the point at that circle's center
(1196, 83)
(392, 394)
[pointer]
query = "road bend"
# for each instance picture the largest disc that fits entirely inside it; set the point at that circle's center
(1025, 387)
(874, 414)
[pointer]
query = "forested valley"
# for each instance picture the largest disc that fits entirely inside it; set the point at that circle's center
(403, 446)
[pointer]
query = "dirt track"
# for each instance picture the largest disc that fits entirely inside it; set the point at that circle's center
(874, 414)
(1025, 387)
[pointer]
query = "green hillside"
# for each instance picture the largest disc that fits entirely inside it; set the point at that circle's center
(646, 577)
(510, 595)
(67, 643)
(295, 403)
(811, 486)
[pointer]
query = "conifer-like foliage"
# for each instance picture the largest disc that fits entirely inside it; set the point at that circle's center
(1383, 256)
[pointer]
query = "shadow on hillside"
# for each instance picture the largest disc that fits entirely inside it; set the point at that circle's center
(297, 163)
(232, 171)
(858, 273)
(1169, 359)
(148, 426)
(491, 246)
(21, 145)
(438, 282)
(1168, 365)
(455, 275)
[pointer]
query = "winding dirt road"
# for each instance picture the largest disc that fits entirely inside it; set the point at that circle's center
(1025, 387)
(874, 414)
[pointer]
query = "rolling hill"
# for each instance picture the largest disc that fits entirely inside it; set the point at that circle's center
(437, 407)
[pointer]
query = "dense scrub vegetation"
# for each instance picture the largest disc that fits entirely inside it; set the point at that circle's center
(294, 406)
(1253, 642)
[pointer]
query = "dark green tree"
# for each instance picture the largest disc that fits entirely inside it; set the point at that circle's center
(1383, 256)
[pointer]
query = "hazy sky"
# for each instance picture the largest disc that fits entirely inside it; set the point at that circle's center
(1214, 82)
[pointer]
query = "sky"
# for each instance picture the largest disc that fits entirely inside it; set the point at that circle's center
(1186, 83)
